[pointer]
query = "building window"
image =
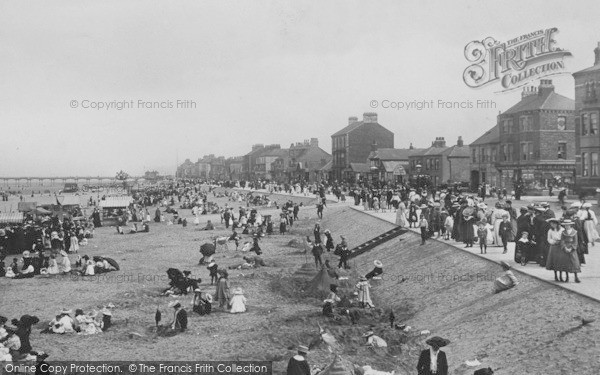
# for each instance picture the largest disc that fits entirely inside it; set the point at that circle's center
(437, 164)
(526, 123)
(428, 164)
(510, 152)
(585, 166)
(525, 151)
(561, 123)
(562, 150)
(474, 152)
(494, 154)
(594, 164)
(585, 124)
(594, 123)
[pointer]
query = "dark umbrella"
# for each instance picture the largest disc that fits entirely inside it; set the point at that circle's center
(207, 249)
(113, 263)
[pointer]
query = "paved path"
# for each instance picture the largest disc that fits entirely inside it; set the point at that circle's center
(590, 272)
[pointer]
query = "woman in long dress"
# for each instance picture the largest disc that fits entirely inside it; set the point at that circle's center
(566, 259)
(589, 222)
(554, 240)
(497, 218)
(223, 289)
(401, 215)
(364, 293)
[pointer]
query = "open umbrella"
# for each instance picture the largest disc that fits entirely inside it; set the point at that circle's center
(112, 262)
(207, 249)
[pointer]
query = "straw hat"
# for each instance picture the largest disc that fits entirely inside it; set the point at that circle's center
(586, 205)
(66, 312)
(568, 222)
(505, 265)
(303, 349)
(26, 254)
(238, 291)
(106, 312)
(64, 253)
(378, 263)
(368, 333)
(553, 220)
(437, 341)
(575, 205)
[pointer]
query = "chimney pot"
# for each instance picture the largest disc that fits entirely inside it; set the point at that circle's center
(352, 120)
(370, 118)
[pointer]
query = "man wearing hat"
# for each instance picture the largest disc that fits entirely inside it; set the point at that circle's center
(378, 270)
(433, 361)
(298, 365)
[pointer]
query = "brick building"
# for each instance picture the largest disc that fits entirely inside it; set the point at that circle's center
(352, 144)
(303, 162)
(587, 107)
(391, 164)
(537, 139)
(484, 156)
(440, 163)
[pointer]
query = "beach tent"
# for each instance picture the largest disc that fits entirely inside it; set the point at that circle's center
(68, 201)
(116, 202)
(12, 218)
(322, 281)
(27, 206)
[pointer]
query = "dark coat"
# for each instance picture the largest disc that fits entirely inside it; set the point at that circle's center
(423, 367)
(298, 366)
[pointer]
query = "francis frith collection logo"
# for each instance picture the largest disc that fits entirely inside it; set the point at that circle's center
(515, 62)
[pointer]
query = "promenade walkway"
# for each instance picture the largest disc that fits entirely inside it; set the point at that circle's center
(590, 272)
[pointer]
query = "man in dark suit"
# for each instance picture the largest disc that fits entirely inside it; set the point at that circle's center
(433, 361)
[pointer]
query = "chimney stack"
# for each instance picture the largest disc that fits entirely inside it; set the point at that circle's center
(314, 142)
(460, 143)
(374, 146)
(597, 54)
(439, 142)
(370, 118)
(546, 87)
(528, 91)
(411, 146)
(352, 120)
(257, 146)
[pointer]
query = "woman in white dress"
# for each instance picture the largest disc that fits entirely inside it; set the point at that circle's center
(401, 215)
(364, 293)
(589, 222)
(497, 218)
(74, 244)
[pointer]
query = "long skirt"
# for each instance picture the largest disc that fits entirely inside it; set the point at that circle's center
(590, 230)
(497, 238)
(560, 260)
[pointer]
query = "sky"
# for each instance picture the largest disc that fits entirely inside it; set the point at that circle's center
(270, 72)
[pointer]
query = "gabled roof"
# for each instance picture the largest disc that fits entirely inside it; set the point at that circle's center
(348, 128)
(588, 70)
(327, 167)
(535, 102)
(394, 153)
(490, 136)
(458, 152)
(360, 167)
(276, 152)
